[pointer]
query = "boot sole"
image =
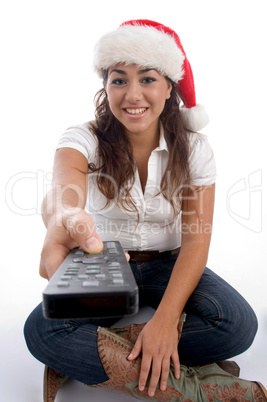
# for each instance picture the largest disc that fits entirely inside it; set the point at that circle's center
(262, 389)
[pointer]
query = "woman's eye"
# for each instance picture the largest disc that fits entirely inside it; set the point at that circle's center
(118, 81)
(148, 80)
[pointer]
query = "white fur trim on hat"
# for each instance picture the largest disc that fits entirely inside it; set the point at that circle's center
(144, 46)
(194, 118)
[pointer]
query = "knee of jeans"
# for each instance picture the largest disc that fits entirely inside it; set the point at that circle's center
(250, 330)
(242, 330)
(32, 329)
(28, 329)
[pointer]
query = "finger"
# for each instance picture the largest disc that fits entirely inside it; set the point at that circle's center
(176, 365)
(82, 229)
(92, 244)
(144, 371)
(127, 257)
(155, 376)
(136, 350)
(165, 371)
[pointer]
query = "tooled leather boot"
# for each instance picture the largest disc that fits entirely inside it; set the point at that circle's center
(53, 380)
(202, 383)
(116, 344)
(132, 331)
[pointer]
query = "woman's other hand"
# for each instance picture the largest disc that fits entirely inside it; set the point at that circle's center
(158, 343)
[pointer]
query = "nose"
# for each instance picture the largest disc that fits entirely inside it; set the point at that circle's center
(133, 93)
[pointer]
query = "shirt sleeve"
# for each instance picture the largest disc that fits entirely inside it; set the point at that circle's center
(201, 161)
(79, 138)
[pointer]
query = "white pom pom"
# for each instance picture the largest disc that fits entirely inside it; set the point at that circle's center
(194, 118)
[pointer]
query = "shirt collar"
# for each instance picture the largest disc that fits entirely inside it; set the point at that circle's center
(162, 142)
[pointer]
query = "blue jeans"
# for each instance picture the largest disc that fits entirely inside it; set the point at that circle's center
(220, 324)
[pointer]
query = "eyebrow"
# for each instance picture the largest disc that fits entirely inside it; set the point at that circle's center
(124, 72)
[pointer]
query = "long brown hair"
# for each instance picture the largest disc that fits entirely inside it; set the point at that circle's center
(117, 162)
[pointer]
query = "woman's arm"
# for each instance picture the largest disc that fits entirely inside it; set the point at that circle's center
(68, 225)
(159, 339)
(197, 217)
(69, 184)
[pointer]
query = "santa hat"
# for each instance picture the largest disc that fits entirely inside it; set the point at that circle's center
(150, 44)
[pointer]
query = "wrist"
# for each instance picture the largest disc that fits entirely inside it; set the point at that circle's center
(58, 209)
(167, 316)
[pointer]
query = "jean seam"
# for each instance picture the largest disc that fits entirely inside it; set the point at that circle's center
(69, 326)
(140, 265)
(87, 330)
(216, 323)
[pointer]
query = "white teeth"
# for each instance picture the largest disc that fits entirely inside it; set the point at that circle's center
(136, 111)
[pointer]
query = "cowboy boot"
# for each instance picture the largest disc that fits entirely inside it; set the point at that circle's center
(132, 331)
(230, 367)
(204, 383)
(117, 343)
(53, 380)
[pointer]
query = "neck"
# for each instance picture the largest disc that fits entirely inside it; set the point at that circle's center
(147, 140)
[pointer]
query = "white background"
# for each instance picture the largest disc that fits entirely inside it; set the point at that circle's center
(47, 84)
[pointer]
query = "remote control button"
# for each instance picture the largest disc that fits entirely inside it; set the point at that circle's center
(66, 277)
(83, 276)
(63, 284)
(111, 244)
(78, 259)
(93, 256)
(100, 276)
(72, 273)
(90, 283)
(72, 269)
(93, 271)
(117, 275)
(113, 251)
(118, 281)
(91, 267)
(79, 252)
(113, 270)
(114, 264)
(94, 261)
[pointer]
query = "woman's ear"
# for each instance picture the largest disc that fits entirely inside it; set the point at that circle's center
(169, 89)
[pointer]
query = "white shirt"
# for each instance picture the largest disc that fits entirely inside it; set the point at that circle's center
(157, 229)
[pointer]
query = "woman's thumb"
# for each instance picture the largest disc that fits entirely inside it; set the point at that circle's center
(81, 228)
(93, 244)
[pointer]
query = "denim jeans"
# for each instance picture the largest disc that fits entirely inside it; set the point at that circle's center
(219, 325)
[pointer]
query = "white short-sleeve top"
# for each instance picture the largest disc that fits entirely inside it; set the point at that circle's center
(158, 228)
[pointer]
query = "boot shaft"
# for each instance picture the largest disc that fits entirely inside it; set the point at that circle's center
(204, 383)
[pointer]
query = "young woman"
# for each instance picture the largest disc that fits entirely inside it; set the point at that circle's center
(141, 174)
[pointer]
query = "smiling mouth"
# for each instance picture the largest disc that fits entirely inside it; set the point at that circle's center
(136, 111)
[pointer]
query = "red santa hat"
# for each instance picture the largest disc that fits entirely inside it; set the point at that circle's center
(150, 44)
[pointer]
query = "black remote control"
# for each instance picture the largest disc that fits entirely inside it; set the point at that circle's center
(92, 285)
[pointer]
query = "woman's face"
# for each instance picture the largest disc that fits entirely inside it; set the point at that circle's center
(137, 97)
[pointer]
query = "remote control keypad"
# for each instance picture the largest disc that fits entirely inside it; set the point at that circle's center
(92, 285)
(92, 269)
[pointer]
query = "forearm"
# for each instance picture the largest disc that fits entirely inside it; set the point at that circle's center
(197, 207)
(69, 185)
(186, 274)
